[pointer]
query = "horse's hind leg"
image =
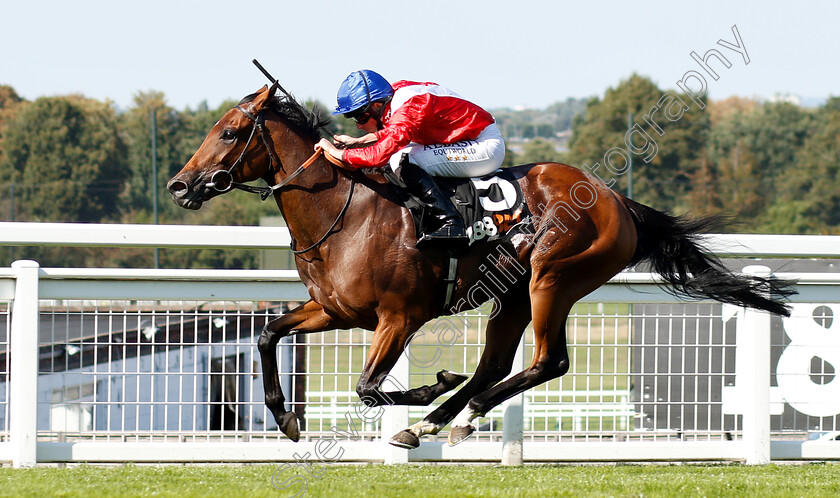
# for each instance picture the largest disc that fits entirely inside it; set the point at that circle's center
(309, 317)
(502, 336)
(551, 360)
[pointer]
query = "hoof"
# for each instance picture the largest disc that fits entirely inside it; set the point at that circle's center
(450, 378)
(460, 434)
(405, 439)
(289, 426)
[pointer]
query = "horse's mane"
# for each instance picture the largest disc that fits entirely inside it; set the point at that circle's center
(309, 123)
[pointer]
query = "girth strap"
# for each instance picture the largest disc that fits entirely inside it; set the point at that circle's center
(450, 282)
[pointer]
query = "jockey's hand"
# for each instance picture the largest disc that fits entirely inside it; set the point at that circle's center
(344, 141)
(348, 142)
(330, 149)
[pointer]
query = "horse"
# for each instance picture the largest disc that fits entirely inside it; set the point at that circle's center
(354, 243)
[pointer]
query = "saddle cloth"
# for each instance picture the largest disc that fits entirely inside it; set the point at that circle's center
(491, 206)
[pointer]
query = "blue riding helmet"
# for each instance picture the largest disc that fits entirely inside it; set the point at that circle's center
(360, 89)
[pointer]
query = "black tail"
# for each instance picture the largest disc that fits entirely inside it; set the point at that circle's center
(669, 244)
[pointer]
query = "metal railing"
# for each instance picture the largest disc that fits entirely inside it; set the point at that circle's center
(652, 379)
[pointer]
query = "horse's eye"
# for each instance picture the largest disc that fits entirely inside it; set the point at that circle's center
(228, 135)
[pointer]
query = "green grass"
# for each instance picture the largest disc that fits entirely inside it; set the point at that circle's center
(809, 480)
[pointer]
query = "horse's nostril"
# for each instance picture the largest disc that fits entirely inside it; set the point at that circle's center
(178, 187)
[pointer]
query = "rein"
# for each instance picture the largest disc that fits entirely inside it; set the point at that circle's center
(332, 227)
(222, 180)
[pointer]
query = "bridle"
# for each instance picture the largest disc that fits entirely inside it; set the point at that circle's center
(222, 180)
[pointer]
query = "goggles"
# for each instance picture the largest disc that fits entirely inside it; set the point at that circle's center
(361, 115)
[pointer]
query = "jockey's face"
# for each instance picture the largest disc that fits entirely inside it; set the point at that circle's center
(371, 125)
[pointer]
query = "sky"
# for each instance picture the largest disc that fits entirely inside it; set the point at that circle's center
(496, 53)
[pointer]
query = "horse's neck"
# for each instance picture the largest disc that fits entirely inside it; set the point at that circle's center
(313, 201)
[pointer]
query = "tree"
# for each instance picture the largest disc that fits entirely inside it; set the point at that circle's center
(233, 208)
(68, 158)
(9, 101)
(752, 146)
(136, 126)
(530, 123)
(528, 132)
(538, 151)
(544, 130)
(565, 112)
(665, 157)
(510, 159)
(808, 199)
(9, 105)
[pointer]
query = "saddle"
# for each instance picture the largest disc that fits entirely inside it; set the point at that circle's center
(491, 206)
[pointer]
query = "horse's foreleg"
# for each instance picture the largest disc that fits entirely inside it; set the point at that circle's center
(309, 317)
(503, 333)
(388, 343)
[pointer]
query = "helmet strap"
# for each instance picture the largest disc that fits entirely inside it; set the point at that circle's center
(377, 116)
(367, 87)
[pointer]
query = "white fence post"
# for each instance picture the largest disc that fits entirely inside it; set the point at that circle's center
(23, 371)
(756, 418)
(395, 417)
(513, 423)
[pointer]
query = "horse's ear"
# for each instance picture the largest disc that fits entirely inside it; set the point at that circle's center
(264, 94)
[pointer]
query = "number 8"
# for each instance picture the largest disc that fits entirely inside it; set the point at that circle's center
(489, 226)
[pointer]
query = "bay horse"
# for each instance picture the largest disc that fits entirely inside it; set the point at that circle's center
(355, 251)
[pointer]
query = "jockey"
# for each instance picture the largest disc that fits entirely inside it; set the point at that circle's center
(417, 130)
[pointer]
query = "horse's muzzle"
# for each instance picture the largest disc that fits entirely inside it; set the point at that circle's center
(183, 195)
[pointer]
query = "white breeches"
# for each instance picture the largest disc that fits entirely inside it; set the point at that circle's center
(466, 159)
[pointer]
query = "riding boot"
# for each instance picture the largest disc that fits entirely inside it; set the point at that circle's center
(421, 185)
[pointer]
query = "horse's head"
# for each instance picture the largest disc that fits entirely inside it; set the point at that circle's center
(235, 150)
